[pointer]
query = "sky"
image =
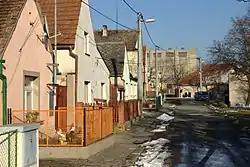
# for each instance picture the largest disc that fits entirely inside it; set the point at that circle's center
(179, 23)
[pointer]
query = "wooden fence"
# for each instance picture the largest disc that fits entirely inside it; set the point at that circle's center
(124, 111)
(79, 126)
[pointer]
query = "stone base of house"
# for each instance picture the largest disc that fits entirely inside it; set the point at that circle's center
(76, 152)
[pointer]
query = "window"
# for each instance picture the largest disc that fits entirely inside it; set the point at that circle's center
(182, 53)
(86, 91)
(86, 43)
(170, 54)
(28, 93)
(159, 54)
(154, 54)
(102, 91)
(148, 54)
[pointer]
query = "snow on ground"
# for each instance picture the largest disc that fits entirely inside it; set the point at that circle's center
(165, 117)
(155, 153)
(161, 128)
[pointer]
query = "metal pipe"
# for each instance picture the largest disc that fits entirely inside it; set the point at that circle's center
(156, 74)
(55, 53)
(200, 63)
(4, 92)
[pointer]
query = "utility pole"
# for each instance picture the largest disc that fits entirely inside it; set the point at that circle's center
(175, 77)
(156, 73)
(139, 64)
(200, 64)
(200, 72)
(55, 53)
(139, 70)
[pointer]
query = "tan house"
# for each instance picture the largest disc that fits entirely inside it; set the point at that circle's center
(22, 46)
(171, 64)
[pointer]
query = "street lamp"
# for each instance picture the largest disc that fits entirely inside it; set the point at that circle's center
(140, 55)
(149, 20)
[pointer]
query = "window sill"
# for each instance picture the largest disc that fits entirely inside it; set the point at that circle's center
(87, 54)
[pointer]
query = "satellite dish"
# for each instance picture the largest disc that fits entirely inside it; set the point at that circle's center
(46, 32)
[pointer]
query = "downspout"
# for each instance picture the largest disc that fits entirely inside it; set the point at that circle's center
(4, 90)
(76, 71)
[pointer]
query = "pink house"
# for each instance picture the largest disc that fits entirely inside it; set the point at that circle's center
(22, 46)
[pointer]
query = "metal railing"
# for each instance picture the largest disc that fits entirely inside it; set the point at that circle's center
(8, 149)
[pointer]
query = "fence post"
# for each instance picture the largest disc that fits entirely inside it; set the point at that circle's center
(100, 108)
(84, 126)
(9, 149)
(16, 148)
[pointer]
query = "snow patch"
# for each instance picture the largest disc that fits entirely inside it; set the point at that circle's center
(165, 117)
(155, 153)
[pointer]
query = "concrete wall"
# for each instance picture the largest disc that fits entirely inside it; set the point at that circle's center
(27, 153)
(27, 55)
(237, 91)
(91, 67)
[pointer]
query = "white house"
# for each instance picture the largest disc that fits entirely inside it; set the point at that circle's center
(81, 67)
(115, 57)
(112, 43)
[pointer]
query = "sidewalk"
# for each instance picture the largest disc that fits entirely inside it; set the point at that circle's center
(123, 153)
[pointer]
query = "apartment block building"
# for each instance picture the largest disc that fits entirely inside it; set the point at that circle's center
(172, 65)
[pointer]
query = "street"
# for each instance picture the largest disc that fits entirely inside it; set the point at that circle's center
(200, 138)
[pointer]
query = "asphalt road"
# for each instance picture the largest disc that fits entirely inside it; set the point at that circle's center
(200, 138)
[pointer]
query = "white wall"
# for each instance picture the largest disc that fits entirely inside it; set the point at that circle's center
(91, 68)
(66, 62)
(130, 86)
(237, 91)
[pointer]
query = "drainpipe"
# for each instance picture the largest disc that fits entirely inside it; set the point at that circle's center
(4, 90)
(76, 70)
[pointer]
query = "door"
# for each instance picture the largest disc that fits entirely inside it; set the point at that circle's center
(61, 101)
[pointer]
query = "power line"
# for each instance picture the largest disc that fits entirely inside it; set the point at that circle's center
(150, 37)
(107, 17)
(130, 7)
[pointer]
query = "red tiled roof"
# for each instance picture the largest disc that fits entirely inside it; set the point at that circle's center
(208, 70)
(10, 11)
(68, 12)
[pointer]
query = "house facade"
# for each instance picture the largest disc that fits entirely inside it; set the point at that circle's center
(215, 79)
(22, 46)
(109, 39)
(170, 62)
(238, 90)
(26, 53)
(81, 67)
(115, 56)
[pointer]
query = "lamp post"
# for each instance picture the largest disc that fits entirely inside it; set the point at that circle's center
(140, 55)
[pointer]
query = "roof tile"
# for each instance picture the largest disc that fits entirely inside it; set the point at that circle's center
(68, 12)
(129, 37)
(10, 11)
(113, 50)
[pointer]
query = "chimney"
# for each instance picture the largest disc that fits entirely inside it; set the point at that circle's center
(104, 30)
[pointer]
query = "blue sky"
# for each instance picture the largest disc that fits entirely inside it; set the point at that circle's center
(180, 23)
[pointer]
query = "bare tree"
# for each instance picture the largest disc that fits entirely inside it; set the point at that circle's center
(178, 70)
(234, 50)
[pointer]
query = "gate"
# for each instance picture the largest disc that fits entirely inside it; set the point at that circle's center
(61, 101)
